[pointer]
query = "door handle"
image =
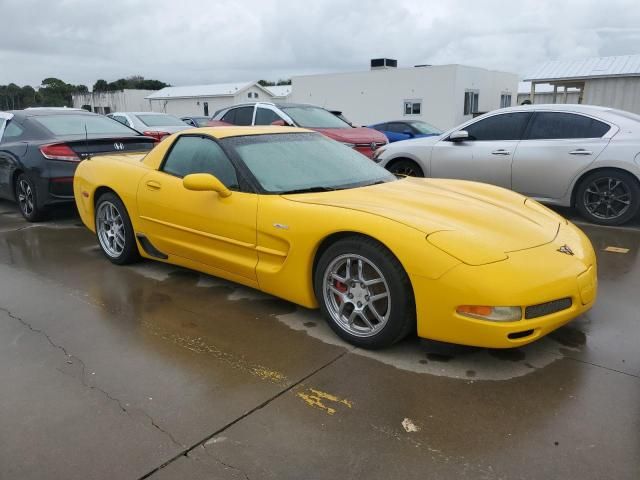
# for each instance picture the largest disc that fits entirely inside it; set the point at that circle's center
(580, 151)
(151, 185)
(501, 151)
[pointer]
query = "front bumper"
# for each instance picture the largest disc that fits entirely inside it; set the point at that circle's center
(527, 278)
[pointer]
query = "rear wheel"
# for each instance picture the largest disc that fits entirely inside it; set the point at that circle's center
(364, 293)
(114, 230)
(27, 198)
(406, 167)
(608, 197)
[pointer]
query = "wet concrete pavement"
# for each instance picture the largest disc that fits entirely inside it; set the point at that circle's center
(152, 371)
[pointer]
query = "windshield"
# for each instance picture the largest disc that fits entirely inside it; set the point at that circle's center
(314, 117)
(76, 124)
(161, 121)
(301, 161)
(425, 128)
(201, 121)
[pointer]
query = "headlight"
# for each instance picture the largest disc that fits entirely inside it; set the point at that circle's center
(350, 145)
(493, 314)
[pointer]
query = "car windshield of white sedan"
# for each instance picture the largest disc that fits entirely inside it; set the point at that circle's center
(314, 117)
(425, 128)
(302, 162)
(161, 121)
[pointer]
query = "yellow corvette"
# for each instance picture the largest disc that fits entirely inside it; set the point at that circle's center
(302, 217)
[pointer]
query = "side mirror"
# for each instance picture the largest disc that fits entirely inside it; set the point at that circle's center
(279, 123)
(204, 182)
(409, 133)
(459, 136)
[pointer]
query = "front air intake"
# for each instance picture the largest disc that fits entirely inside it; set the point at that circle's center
(542, 309)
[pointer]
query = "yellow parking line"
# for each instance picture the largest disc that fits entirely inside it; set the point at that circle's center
(616, 250)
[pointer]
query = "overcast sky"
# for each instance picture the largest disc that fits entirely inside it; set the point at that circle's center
(186, 42)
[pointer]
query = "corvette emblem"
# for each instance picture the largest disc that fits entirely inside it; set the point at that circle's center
(118, 146)
(373, 145)
(565, 249)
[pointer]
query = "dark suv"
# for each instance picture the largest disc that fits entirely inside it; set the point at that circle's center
(40, 149)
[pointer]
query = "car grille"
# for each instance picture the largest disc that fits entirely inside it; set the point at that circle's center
(368, 145)
(542, 309)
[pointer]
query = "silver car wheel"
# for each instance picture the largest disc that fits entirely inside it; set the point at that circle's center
(357, 295)
(110, 229)
(607, 198)
(25, 197)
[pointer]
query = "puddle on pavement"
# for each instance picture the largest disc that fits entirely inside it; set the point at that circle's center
(470, 364)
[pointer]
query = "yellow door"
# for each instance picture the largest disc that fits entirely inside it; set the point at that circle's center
(199, 226)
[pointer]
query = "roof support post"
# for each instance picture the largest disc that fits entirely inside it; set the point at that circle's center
(532, 95)
(564, 97)
(555, 93)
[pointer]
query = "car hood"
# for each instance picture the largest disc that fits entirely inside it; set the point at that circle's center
(353, 135)
(473, 222)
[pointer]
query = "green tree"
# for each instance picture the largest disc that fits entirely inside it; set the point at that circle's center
(100, 86)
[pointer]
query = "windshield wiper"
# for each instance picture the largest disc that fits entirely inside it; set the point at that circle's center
(308, 190)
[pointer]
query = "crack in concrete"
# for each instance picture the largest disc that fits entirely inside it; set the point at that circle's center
(216, 459)
(83, 376)
(262, 405)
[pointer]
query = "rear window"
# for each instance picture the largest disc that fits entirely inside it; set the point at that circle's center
(559, 125)
(161, 121)
(81, 124)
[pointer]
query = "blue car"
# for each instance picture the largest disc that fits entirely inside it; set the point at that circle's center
(406, 129)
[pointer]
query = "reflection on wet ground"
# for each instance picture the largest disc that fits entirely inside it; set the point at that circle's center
(149, 365)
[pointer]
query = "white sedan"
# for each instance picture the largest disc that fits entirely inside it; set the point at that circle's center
(567, 155)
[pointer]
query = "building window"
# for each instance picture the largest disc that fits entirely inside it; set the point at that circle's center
(505, 100)
(250, 94)
(471, 98)
(412, 107)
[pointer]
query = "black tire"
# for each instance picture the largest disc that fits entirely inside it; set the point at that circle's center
(597, 201)
(402, 311)
(27, 199)
(129, 253)
(406, 167)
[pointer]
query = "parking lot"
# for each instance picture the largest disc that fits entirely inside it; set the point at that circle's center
(153, 371)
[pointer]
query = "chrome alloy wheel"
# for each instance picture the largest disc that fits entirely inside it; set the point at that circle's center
(607, 198)
(25, 197)
(110, 228)
(356, 295)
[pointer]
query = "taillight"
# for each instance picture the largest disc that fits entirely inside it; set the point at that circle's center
(157, 135)
(59, 151)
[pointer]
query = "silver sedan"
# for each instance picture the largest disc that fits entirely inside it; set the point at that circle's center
(566, 155)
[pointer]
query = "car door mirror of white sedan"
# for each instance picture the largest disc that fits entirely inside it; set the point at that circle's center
(459, 136)
(205, 182)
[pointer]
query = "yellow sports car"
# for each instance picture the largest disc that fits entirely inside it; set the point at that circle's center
(307, 219)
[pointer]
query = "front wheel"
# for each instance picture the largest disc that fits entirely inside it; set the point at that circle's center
(27, 198)
(608, 197)
(114, 230)
(405, 167)
(364, 293)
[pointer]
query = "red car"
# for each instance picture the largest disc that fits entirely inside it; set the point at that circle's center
(364, 140)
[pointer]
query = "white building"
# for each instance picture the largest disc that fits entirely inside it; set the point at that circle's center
(280, 93)
(605, 81)
(205, 99)
(127, 100)
(443, 95)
